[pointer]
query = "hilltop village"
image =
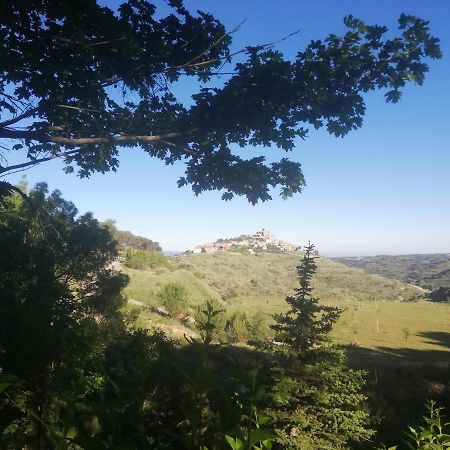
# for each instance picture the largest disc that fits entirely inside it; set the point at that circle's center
(262, 240)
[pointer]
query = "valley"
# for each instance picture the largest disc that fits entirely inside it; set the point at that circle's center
(430, 271)
(378, 313)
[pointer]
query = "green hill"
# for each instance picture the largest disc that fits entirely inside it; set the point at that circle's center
(378, 312)
(429, 271)
(263, 280)
(128, 240)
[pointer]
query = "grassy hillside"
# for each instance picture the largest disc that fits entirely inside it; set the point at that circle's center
(262, 281)
(254, 283)
(430, 271)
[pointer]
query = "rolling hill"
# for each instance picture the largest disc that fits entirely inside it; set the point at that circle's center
(378, 312)
(429, 271)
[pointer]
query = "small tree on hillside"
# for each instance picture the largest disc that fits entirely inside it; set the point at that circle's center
(307, 323)
(173, 296)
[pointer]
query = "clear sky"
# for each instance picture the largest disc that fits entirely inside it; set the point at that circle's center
(382, 189)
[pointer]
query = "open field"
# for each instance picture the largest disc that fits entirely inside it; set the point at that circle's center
(260, 283)
(402, 327)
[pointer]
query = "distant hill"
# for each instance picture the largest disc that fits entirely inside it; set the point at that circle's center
(128, 240)
(261, 241)
(429, 271)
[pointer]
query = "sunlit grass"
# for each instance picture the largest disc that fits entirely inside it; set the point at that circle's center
(260, 283)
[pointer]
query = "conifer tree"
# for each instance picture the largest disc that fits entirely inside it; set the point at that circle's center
(315, 398)
(307, 323)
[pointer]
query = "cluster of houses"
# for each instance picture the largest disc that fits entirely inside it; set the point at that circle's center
(262, 240)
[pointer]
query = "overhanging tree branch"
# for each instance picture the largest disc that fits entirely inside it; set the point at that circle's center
(5, 170)
(79, 141)
(268, 101)
(24, 115)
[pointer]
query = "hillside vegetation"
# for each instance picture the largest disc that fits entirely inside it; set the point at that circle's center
(128, 240)
(236, 278)
(429, 271)
(378, 312)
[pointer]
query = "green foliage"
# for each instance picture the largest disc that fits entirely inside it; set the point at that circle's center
(60, 305)
(306, 324)
(315, 398)
(92, 93)
(238, 327)
(258, 325)
(435, 435)
(173, 296)
(213, 325)
(140, 259)
(126, 239)
(317, 403)
(252, 433)
(210, 321)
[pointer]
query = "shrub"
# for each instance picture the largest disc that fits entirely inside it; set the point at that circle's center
(435, 435)
(210, 321)
(259, 326)
(141, 260)
(238, 327)
(173, 296)
(441, 294)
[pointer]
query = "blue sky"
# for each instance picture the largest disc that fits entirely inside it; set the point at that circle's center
(382, 189)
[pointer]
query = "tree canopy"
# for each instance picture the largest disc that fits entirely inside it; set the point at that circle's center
(79, 80)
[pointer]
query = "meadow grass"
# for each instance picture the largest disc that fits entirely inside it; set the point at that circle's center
(253, 283)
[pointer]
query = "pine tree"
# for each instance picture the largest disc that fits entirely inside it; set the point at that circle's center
(315, 398)
(307, 323)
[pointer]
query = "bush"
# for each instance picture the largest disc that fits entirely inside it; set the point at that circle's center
(141, 260)
(435, 435)
(210, 321)
(259, 326)
(440, 295)
(238, 327)
(173, 296)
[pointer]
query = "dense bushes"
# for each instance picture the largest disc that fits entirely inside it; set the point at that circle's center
(59, 309)
(140, 259)
(173, 297)
(127, 240)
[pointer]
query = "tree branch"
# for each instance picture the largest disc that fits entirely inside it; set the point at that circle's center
(18, 118)
(77, 141)
(4, 170)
